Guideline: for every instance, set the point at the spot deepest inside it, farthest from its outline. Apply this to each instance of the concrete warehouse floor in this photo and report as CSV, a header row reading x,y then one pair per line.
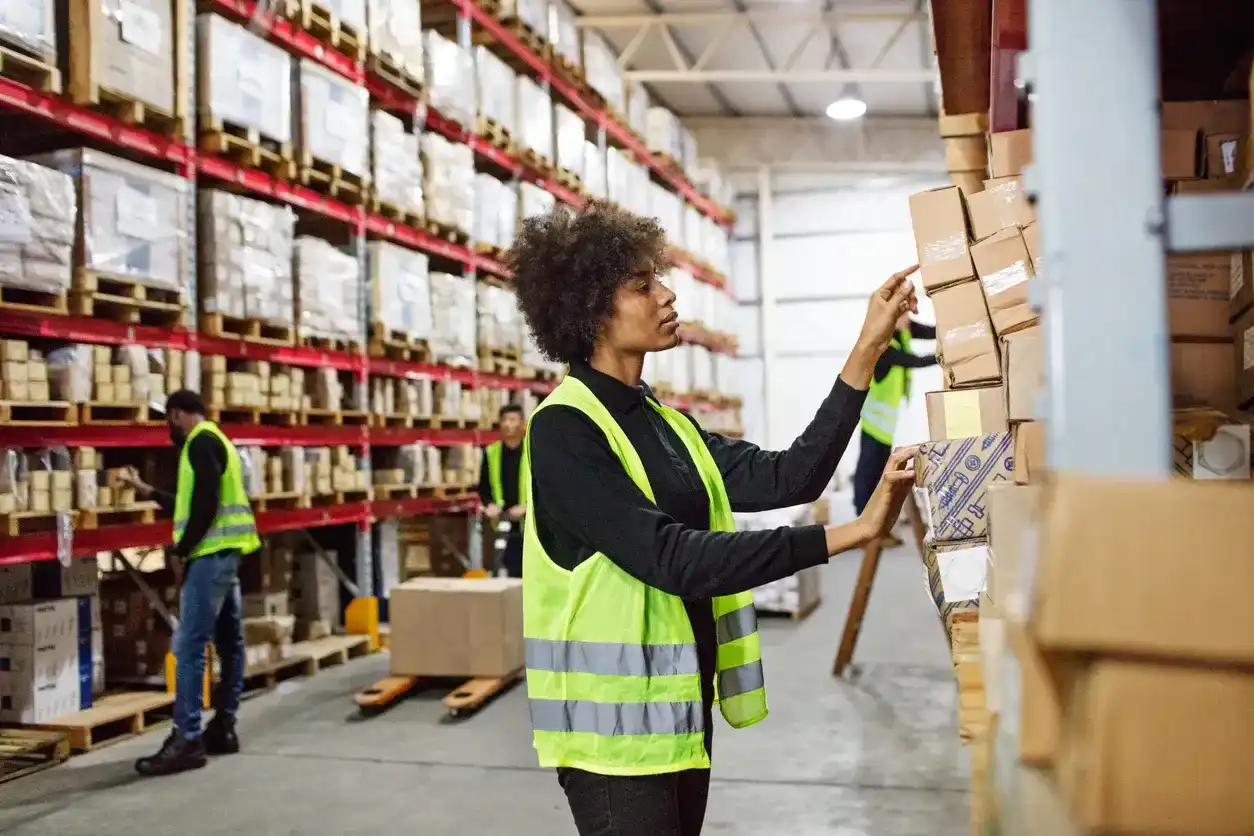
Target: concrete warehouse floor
x,y
878,756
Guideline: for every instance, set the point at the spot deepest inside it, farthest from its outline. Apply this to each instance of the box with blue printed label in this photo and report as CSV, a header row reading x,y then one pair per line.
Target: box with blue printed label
x,y
954,476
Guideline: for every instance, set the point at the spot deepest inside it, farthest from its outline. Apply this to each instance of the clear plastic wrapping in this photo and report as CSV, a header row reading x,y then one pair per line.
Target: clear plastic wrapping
x,y
569,135
617,177
328,284
667,207
453,332
334,114
496,89
665,134
594,174
638,107
693,231
245,252
350,12
396,164
70,372
244,79
500,322
563,33
535,118
30,24
134,49
399,280
396,34
638,185
533,200
534,13
450,78
600,66
449,181
38,208
492,199
133,219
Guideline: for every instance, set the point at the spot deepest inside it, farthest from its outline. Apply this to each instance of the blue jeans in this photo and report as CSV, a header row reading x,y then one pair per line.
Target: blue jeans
x,y
210,609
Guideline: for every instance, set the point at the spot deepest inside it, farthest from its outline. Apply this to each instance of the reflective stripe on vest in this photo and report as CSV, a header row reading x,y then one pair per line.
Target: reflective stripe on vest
x,y
610,719
611,658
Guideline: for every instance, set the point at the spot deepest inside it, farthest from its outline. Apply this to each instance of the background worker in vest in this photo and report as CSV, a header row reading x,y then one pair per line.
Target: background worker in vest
x,y
890,388
499,485
213,528
637,602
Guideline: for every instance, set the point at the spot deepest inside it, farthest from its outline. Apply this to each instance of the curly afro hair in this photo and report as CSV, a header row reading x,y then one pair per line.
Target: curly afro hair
x,y
567,266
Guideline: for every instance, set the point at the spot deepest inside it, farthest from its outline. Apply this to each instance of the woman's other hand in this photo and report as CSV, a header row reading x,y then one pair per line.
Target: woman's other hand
x,y
881,512
894,298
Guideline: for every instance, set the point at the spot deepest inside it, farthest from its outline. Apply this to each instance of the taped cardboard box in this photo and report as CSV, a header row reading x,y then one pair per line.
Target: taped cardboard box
x,y
1001,204
962,413
1204,374
456,627
1198,295
965,345
1023,372
1004,266
940,236
966,153
954,477
1029,466
1010,152
1180,159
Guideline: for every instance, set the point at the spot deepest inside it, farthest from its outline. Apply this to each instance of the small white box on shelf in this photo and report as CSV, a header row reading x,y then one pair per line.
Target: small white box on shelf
x,y
396,164
665,134
667,207
244,81
638,107
489,194
600,66
450,79
333,118
533,200
617,176
534,14
564,33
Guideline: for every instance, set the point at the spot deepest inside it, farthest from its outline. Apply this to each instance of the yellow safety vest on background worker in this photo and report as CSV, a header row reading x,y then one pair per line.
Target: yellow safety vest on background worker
x,y
234,526
612,675
495,483
882,406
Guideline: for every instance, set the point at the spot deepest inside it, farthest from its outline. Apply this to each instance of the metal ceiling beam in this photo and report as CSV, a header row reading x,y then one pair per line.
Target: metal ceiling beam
x,y
835,76
764,17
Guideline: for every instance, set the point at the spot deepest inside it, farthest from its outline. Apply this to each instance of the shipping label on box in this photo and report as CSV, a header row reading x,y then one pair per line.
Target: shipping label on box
x,y
955,476
962,413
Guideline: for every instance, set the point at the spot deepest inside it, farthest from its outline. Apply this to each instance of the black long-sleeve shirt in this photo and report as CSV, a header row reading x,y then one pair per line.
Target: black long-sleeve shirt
x,y
896,357
511,459
208,460
585,502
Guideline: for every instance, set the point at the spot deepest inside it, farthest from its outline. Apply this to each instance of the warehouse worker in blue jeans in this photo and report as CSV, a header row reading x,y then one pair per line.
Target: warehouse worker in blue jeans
x,y
213,528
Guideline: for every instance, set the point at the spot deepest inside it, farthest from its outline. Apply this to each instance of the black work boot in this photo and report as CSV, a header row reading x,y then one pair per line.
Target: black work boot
x,y
220,737
177,754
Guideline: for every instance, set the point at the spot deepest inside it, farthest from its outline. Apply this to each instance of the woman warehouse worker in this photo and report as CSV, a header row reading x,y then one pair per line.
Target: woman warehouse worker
x,y
638,615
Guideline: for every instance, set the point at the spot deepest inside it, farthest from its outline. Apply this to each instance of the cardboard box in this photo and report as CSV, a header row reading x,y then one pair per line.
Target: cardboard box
x,y
968,182
1224,155
965,345
940,236
1156,749
962,413
1002,204
954,477
45,659
1005,268
456,627
1224,455
1198,294
1180,154
1111,577
1023,372
1029,466
1209,117
966,153
1010,152
1241,284
1242,360
1203,374
1040,684
957,574
1013,512
963,124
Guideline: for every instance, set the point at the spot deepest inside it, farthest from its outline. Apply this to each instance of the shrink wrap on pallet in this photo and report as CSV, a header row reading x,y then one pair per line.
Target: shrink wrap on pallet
x,y
638,184
500,322
328,287
564,33
244,80
664,134
396,35
333,118
449,182
453,332
496,90
692,236
133,219
245,254
134,47
532,13
30,25
396,163
600,67
533,200
638,105
616,177
349,12
495,211
594,174
534,118
667,207
38,209
450,79
400,284
569,137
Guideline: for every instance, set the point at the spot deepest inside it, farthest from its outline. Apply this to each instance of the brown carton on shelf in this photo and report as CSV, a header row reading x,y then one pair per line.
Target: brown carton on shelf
x,y
1042,682
1023,372
1180,154
1211,117
1001,205
1029,453
963,124
136,50
1203,374
969,182
1243,357
1240,284
965,346
1159,749
1013,511
1009,152
962,413
1156,569
1198,288
940,235
954,476
1005,268
1031,239
966,153
456,627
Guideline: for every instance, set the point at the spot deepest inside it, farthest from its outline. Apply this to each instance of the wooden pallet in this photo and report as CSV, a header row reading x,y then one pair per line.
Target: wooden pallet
x,y
397,345
247,147
669,163
533,39
403,491
33,301
392,211
569,179
390,70
326,26
286,501
464,698
26,751
30,413
345,497
18,523
330,343
140,513
534,161
568,71
112,414
490,250
29,70
495,133
330,651
446,232
332,180
254,416
112,718
499,363
267,676
334,418
105,295
248,329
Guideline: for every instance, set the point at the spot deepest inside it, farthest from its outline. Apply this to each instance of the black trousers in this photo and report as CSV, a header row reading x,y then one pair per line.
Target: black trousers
x,y
512,555
637,805
872,459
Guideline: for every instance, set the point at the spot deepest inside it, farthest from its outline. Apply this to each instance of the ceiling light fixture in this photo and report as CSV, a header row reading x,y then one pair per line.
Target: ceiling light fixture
x,y
845,109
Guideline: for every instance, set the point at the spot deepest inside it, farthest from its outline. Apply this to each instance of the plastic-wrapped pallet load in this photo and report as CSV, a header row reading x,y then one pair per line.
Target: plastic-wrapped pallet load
x,y
396,164
667,207
488,335
617,177
564,33
637,107
448,182
510,321
401,290
244,80
453,332
533,200
38,208
328,287
245,252
600,67
134,50
534,14
350,13
506,215
664,135
490,195
133,220
681,368
30,25
594,179
570,136
535,118
450,79
694,230
638,184
496,90
396,36
334,114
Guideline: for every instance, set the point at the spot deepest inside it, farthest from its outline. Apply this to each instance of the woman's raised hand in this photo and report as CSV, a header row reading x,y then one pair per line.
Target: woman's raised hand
x,y
894,298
